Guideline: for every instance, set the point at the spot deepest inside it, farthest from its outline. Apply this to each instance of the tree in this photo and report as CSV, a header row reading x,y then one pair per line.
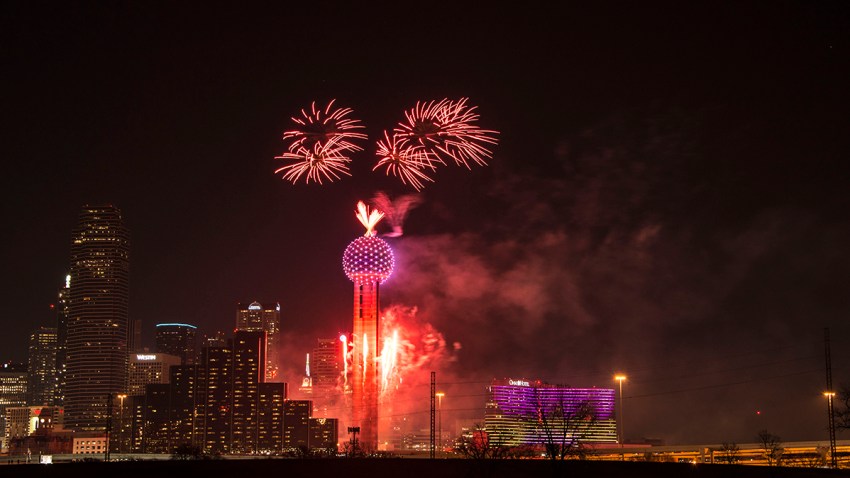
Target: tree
x,y
480,445
564,426
772,446
730,453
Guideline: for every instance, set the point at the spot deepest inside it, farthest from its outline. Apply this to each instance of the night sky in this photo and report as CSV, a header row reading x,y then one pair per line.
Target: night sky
x,y
668,198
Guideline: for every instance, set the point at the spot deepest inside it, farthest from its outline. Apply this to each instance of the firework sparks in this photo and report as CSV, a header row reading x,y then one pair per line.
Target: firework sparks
x,y
434,133
415,346
325,160
365,355
344,340
389,355
405,161
446,129
369,219
319,147
322,126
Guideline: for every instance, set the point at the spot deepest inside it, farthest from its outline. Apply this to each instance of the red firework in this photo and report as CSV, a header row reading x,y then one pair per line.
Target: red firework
x,y
446,129
320,145
322,126
406,161
324,160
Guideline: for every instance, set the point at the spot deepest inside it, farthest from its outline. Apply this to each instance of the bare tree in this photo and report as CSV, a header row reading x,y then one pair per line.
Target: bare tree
x,y
730,453
480,445
565,427
772,446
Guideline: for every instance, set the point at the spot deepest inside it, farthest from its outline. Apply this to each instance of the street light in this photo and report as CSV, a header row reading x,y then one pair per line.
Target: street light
x,y
829,397
620,378
440,396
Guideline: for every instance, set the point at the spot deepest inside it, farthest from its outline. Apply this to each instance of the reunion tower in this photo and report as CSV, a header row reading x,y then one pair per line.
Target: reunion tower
x,y
368,262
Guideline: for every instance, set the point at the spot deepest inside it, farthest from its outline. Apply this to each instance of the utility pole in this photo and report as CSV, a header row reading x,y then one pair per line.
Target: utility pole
x,y
433,410
830,394
353,431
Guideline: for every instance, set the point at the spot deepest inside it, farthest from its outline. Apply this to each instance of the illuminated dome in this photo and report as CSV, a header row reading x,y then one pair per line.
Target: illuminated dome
x,y
368,259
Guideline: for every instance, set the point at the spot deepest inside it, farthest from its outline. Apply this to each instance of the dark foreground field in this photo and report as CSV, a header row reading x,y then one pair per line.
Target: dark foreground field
x,y
402,468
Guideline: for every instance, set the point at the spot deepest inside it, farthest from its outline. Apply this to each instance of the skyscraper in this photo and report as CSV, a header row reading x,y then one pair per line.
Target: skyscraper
x,y
368,262
179,340
257,317
61,340
98,328
326,369
148,368
41,387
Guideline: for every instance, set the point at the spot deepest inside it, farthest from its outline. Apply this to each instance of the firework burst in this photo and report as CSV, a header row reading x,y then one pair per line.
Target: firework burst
x,y
324,160
446,129
407,162
434,133
320,145
323,126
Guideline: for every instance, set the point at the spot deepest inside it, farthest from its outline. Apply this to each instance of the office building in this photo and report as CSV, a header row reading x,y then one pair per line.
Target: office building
x,y
523,412
13,393
296,423
41,388
148,368
257,317
98,329
61,339
324,434
177,339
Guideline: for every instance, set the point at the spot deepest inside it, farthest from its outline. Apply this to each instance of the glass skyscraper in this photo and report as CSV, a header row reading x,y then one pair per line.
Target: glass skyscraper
x,y
98,327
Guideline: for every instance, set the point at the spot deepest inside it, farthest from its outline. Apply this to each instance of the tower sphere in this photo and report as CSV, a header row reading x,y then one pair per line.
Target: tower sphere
x,y
368,259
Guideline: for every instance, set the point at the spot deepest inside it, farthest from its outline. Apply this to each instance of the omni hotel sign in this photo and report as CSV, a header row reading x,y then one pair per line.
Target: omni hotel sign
x,y
519,383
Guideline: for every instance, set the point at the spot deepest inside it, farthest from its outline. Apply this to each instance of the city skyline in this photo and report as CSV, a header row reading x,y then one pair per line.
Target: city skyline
x,y
667,198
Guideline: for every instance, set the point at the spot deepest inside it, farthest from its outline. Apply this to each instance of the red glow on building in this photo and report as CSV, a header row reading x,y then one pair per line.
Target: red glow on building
x,y
368,262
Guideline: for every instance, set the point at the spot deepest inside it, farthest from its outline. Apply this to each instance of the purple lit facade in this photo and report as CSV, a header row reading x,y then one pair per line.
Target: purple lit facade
x,y
519,412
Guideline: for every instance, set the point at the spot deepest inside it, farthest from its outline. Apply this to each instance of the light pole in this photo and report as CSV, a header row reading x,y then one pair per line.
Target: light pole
x,y
620,378
440,396
833,459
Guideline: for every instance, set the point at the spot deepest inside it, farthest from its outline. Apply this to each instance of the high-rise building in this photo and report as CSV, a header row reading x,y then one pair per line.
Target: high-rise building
x,y
523,412
147,368
13,393
270,416
326,365
249,353
368,262
257,317
326,377
296,423
61,340
220,404
41,388
238,413
177,339
98,328
324,434
216,339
